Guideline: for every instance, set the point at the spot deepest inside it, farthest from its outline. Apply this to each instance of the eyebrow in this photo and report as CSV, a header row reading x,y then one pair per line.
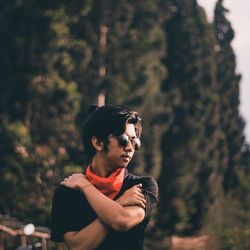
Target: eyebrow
x,y
132,137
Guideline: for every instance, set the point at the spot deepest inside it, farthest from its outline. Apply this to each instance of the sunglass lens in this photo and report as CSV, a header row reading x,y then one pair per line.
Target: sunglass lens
x,y
136,143
123,140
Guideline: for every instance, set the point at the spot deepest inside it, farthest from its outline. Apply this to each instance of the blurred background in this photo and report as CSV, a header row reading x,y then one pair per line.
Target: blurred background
x,y
168,60
239,17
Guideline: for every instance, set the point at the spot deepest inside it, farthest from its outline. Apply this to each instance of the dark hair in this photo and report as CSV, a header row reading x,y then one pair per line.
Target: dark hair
x,y
107,120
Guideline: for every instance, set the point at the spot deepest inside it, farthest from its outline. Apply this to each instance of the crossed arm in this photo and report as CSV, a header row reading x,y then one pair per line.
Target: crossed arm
x,y
120,215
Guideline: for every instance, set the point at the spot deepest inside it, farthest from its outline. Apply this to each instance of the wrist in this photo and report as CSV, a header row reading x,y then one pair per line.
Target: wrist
x,y
119,202
85,185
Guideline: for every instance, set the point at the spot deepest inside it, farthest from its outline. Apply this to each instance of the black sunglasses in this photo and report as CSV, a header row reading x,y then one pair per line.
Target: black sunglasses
x,y
124,139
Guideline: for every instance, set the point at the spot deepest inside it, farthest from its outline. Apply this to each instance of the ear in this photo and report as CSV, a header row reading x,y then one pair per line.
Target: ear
x,y
97,144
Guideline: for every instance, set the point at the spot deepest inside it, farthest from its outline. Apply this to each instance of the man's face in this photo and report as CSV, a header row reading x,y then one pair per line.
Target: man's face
x,y
119,156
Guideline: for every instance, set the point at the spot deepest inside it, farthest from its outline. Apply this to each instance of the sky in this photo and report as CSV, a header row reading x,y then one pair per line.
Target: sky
x,y
239,16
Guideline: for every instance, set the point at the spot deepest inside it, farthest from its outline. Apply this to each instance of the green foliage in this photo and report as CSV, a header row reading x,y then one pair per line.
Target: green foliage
x,y
37,118
227,222
186,143
230,120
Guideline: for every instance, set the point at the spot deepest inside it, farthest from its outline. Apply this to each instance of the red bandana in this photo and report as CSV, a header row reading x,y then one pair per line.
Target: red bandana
x,y
109,186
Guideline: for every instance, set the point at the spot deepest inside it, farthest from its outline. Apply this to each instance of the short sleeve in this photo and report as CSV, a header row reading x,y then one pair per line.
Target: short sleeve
x,y
150,191
64,215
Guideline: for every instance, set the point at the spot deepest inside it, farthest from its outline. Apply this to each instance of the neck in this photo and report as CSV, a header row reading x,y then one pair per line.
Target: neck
x,y
100,167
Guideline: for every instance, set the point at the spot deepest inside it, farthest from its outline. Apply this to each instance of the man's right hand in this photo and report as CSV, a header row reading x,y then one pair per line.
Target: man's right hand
x,y
76,181
132,197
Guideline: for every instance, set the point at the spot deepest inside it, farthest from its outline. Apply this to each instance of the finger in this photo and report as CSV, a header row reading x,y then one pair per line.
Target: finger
x,y
64,183
142,200
67,184
138,185
65,180
139,199
141,204
137,190
139,194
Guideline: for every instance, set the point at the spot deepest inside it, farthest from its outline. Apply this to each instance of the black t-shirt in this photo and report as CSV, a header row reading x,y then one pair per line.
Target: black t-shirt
x,y
72,212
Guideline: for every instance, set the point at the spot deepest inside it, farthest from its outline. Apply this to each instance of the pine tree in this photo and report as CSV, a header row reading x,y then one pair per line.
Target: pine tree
x,y
127,45
191,102
136,43
40,104
228,87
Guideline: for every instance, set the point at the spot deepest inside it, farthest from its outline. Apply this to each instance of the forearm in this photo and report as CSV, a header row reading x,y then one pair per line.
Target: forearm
x,y
110,212
87,238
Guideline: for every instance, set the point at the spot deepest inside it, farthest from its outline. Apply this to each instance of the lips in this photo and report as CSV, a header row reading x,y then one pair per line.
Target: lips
x,y
126,157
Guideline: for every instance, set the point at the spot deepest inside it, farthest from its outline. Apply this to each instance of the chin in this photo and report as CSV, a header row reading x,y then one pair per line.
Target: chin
x,y
123,165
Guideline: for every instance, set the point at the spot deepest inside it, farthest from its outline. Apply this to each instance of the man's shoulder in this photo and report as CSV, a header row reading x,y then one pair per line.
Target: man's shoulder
x,y
148,182
146,178
62,191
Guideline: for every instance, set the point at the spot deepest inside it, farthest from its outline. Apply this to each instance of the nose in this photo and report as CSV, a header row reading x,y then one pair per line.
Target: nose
x,y
129,146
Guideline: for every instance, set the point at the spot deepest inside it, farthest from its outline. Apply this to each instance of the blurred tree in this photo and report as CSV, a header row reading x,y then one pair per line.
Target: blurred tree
x,y
230,222
191,104
127,45
136,45
39,104
228,87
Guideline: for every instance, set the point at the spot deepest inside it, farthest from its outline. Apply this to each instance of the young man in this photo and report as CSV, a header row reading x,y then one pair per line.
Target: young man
x,y
106,208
